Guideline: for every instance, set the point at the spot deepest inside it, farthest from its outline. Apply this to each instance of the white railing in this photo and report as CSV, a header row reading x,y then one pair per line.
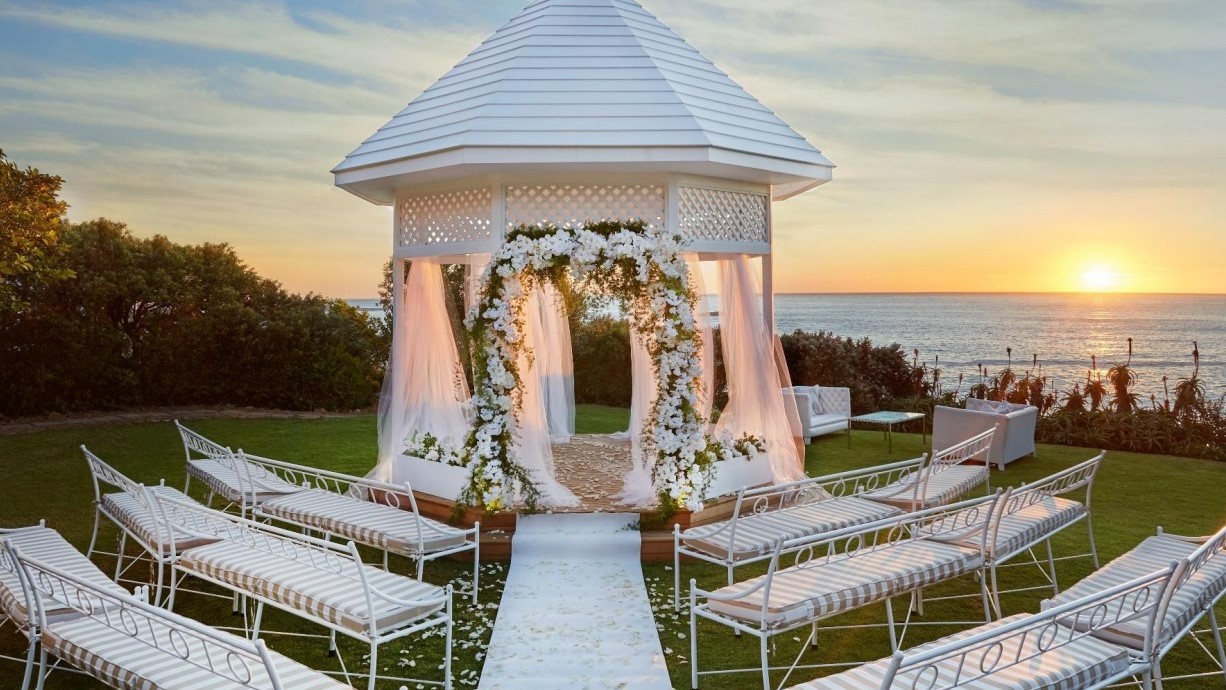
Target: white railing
x,y
236,660
964,662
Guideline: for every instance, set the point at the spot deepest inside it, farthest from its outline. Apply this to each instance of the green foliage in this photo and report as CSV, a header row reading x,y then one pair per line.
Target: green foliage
x,y
601,349
31,220
150,322
875,374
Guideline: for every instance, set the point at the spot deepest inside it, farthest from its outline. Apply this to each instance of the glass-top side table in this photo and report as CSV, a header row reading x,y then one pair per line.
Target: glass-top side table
x,y
888,420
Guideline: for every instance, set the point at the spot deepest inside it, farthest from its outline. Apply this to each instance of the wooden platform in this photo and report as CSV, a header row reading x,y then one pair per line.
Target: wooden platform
x,y
593,467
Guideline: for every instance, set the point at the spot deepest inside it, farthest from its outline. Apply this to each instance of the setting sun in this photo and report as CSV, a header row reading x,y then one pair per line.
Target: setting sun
x,y
1098,279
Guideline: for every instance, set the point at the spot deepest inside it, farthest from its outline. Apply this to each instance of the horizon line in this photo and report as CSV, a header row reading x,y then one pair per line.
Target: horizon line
x,y
887,293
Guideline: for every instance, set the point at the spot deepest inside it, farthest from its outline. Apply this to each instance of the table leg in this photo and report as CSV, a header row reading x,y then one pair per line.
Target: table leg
x,y
889,435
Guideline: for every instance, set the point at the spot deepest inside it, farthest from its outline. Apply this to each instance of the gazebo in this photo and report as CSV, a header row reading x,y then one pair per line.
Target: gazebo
x,y
572,113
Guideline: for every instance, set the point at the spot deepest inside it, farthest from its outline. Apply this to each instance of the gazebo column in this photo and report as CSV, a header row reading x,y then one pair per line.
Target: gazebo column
x,y
398,367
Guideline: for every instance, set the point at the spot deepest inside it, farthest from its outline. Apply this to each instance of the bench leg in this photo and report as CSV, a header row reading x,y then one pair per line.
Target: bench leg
x,y
732,581
25,681
1093,547
259,617
1051,565
123,543
1217,639
476,561
995,591
447,648
93,540
889,619
766,667
42,667
983,593
676,568
693,638
332,644
374,666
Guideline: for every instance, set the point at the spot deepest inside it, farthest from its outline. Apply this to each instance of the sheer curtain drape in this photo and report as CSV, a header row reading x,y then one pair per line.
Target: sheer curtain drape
x,y
756,404
424,389
555,363
545,406
638,488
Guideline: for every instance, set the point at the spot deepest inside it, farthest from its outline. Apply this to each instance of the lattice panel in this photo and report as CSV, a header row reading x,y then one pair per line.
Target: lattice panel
x,y
722,216
449,217
570,206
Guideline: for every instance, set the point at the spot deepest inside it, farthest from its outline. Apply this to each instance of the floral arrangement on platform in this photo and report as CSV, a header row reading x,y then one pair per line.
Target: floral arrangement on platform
x,y
430,447
645,267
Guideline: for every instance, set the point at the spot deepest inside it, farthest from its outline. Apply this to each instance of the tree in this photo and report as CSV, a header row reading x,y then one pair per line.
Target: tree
x,y
31,221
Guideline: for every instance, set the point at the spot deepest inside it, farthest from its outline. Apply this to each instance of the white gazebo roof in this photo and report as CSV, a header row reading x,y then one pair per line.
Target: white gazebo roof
x,y
583,86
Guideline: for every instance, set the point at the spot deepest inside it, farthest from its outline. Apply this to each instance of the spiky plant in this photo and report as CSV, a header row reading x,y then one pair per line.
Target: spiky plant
x,y
1122,379
1190,392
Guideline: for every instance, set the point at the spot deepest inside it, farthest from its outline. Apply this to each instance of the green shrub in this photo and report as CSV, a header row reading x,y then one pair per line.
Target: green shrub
x,y
875,374
148,322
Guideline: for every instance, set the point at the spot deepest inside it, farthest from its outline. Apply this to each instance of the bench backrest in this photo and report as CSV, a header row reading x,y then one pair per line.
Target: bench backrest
x,y
360,488
1064,482
201,446
965,661
228,657
754,501
977,447
967,520
1174,625
103,474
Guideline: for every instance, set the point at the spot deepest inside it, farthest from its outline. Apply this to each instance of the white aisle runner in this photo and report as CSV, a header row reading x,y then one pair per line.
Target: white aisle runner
x,y
574,613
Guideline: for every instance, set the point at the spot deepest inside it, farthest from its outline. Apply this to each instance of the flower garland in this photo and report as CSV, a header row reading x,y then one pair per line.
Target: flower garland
x,y
645,266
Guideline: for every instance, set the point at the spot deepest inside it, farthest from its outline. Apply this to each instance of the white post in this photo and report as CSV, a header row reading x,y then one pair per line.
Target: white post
x,y
398,367
768,269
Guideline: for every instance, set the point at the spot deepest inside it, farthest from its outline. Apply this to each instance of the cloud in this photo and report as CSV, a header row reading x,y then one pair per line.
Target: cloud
x,y
387,51
957,125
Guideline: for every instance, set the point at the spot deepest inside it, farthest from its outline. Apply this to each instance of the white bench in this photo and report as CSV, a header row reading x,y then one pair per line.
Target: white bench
x,y
1197,591
124,642
947,477
846,570
320,581
377,514
127,508
27,615
224,473
764,515
1034,513
1061,647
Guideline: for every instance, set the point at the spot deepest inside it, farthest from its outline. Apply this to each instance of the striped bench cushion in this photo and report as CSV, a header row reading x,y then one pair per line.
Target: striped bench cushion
x,y
1155,553
944,487
320,592
362,521
826,587
121,661
756,534
1078,664
225,481
128,511
1030,525
46,545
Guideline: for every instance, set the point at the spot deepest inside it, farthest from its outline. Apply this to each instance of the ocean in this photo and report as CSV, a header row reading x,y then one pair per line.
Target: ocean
x,y
1064,330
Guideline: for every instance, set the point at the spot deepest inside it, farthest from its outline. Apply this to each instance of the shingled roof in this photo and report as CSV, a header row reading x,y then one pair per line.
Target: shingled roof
x,y
583,86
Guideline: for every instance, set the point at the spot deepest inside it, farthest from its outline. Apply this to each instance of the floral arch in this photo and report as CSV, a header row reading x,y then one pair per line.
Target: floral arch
x,y
633,261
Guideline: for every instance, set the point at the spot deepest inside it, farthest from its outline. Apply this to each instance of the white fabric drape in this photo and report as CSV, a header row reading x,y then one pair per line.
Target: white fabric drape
x,y
424,389
533,432
756,404
549,328
638,488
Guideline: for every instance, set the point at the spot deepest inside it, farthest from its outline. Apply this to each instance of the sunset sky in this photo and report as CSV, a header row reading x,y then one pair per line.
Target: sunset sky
x,y
982,145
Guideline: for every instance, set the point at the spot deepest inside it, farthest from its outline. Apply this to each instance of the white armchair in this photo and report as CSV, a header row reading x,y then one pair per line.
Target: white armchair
x,y
1014,438
822,409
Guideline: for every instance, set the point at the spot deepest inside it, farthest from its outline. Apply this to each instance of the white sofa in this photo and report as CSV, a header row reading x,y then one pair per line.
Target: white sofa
x,y
1014,438
822,409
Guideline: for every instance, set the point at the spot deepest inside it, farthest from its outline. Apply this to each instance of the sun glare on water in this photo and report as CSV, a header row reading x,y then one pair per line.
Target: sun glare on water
x,y
1099,279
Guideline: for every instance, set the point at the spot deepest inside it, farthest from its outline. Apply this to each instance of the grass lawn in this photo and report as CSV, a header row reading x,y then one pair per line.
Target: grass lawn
x,y
44,476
